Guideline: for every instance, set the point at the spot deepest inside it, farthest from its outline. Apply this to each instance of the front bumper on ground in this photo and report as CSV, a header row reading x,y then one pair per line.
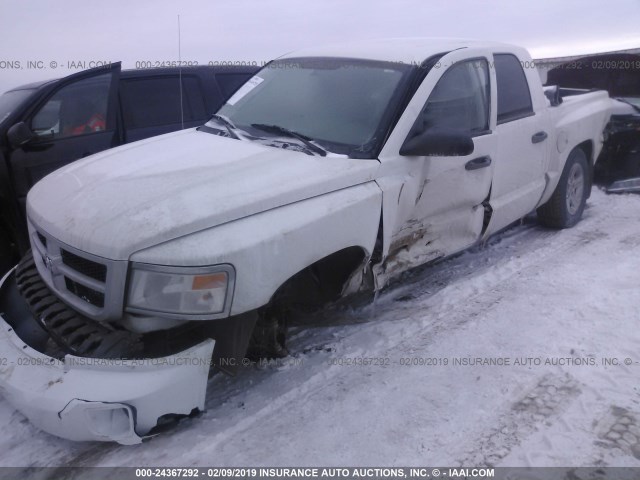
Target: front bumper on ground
x,y
98,399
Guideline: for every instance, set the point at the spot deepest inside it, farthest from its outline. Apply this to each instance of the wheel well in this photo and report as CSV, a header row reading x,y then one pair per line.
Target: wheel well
x,y
320,282
587,148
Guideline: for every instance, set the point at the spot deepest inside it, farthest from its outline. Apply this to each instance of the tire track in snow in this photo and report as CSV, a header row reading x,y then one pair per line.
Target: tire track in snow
x,y
548,398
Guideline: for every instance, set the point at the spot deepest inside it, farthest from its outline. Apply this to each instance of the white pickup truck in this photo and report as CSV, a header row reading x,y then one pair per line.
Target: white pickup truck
x,y
330,172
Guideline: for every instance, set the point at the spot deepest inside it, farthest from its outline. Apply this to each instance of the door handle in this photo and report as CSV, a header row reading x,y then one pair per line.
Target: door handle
x,y
476,163
539,137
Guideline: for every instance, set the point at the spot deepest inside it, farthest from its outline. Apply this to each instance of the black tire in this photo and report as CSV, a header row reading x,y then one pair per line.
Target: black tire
x,y
269,338
565,207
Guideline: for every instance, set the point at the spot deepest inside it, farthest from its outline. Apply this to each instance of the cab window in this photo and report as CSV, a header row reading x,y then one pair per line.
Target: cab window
x,y
514,97
460,100
76,109
155,101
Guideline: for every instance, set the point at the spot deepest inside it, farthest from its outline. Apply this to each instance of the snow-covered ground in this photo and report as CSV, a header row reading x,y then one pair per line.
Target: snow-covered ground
x,y
567,300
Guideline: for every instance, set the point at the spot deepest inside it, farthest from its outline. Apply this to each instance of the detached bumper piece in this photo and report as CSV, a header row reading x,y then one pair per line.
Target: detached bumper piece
x,y
84,397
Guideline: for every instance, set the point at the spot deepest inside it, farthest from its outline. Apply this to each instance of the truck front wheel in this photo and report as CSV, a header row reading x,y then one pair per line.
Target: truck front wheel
x,y
270,334
564,208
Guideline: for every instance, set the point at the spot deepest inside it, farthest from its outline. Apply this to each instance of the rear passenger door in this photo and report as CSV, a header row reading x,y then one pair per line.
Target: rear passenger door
x,y
518,177
153,105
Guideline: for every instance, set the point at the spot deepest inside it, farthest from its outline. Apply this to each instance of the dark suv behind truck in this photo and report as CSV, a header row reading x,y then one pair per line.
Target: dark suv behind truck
x,y
46,125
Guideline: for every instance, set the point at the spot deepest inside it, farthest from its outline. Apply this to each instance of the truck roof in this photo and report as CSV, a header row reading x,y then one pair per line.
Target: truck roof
x,y
407,50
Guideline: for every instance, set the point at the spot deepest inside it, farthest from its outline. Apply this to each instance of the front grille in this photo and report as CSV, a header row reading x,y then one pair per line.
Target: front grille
x,y
87,294
71,331
91,284
89,268
76,334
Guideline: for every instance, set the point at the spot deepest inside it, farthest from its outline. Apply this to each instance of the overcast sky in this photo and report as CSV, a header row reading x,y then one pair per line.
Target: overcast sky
x,y
256,30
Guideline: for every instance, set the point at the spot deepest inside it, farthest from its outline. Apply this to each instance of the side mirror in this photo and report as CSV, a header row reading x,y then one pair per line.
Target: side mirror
x,y
19,134
438,143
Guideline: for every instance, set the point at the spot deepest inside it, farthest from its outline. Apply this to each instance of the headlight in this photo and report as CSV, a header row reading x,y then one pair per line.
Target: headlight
x,y
199,292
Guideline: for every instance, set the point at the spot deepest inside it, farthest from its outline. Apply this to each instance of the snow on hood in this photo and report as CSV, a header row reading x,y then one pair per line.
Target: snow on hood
x,y
139,195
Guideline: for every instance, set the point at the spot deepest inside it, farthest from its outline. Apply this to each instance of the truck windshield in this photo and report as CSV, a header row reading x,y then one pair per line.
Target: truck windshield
x,y
343,105
9,101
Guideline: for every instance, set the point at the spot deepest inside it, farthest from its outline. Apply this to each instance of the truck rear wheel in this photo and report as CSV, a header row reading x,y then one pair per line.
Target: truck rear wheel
x,y
564,208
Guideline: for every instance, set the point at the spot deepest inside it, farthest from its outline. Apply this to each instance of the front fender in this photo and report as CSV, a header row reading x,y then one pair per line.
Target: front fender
x,y
268,248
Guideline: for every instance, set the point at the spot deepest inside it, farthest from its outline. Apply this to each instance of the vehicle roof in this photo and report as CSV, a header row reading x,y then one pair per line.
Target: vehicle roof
x,y
407,50
150,72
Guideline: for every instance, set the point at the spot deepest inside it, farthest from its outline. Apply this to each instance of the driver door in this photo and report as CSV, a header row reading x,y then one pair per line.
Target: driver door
x,y
78,118
437,207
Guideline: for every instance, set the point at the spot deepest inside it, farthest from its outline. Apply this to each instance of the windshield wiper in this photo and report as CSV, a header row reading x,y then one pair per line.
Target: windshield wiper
x,y
290,133
228,124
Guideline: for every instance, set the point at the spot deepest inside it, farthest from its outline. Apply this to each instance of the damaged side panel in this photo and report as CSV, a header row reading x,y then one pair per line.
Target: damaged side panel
x,y
418,244
422,220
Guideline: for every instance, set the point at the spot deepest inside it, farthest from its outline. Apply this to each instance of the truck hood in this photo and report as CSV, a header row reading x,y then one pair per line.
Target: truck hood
x,y
139,195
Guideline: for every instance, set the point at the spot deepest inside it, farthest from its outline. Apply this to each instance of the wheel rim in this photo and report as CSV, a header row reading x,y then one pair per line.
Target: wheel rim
x,y
575,188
